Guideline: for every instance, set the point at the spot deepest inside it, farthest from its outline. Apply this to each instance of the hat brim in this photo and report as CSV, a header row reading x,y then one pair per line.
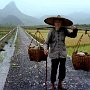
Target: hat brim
x,y
65,22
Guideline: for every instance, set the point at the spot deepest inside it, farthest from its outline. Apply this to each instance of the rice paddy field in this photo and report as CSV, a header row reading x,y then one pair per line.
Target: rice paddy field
x,y
70,42
4,31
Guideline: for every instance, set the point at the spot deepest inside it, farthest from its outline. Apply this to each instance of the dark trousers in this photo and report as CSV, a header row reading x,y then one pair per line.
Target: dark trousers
x,y
62,69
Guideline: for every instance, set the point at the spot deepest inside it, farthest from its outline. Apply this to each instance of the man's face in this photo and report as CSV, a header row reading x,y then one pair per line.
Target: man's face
x,y
57,23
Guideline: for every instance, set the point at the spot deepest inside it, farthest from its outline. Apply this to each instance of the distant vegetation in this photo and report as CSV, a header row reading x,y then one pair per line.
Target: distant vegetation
x,y
84,26
4,30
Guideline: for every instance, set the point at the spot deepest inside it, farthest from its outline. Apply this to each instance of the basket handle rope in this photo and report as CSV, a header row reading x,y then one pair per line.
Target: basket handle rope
x,y
79,41
40,34
32,40
36,37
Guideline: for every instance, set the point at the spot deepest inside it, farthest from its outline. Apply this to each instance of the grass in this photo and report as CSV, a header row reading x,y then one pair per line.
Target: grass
x,y
73,41
70,42
3,32
83,48
39,37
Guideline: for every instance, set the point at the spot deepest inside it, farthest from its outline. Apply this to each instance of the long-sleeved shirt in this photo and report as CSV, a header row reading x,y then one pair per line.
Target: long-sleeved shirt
x,y
56,41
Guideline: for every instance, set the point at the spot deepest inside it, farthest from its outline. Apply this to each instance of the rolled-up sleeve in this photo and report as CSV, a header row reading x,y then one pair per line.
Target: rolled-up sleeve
x,y
47,41
71,34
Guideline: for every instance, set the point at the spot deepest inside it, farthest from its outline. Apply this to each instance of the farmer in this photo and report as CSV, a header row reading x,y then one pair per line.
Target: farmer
x,y
56,41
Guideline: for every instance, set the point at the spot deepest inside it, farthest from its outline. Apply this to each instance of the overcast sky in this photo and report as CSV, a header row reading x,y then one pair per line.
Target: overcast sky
x,y
39,8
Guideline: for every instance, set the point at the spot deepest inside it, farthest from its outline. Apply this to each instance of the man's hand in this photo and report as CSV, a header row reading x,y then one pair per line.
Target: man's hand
x,y
73,27
46,52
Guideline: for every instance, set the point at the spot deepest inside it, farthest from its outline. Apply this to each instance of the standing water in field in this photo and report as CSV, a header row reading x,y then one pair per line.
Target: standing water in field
x,y
5,57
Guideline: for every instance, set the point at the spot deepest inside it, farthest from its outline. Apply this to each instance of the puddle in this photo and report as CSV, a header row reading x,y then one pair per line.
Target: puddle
x,y
5,57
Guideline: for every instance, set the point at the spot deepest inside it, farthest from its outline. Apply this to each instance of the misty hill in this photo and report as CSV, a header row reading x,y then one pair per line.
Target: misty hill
x,y
13,16
11,9
80,17
11,20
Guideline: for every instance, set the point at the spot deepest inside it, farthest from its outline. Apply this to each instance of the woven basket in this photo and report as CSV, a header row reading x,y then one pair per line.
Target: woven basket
x,y
81,62
36,54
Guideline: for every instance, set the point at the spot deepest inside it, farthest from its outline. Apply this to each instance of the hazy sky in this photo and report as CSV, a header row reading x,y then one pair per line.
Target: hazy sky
x,y
39,8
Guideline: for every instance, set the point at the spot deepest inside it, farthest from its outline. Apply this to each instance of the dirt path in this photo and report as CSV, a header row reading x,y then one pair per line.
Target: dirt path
x,y
27,75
